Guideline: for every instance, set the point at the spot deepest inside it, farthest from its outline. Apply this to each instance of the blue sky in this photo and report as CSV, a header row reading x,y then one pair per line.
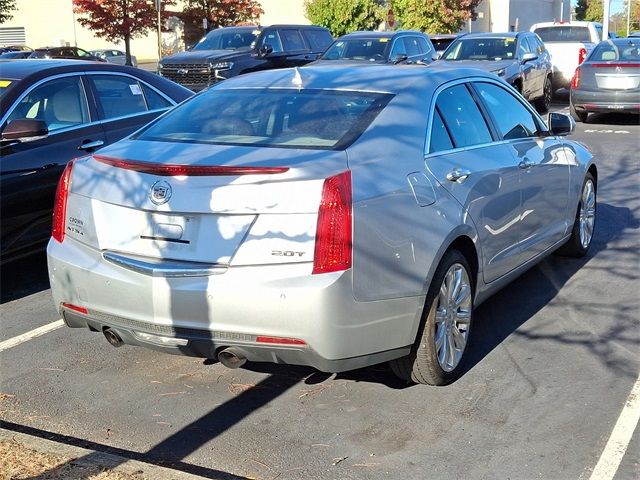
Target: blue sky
x,y
616,5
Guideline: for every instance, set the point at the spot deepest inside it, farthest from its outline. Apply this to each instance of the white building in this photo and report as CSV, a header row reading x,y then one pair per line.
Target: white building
x,y
517,15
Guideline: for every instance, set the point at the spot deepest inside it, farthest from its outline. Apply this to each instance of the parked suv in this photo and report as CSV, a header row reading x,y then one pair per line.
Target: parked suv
x,y
230,51
520,58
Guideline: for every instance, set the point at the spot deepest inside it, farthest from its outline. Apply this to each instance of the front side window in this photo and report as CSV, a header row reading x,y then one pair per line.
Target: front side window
x,y
462,117
399,48
413,48
512,118
118,96
60,103
273,39
317,119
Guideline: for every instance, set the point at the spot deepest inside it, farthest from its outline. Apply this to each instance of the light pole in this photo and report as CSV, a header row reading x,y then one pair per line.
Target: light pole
x,y
605,21
628,16
158,8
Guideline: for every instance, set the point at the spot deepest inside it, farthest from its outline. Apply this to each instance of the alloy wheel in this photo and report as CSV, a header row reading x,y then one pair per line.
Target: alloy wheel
x,y
587,213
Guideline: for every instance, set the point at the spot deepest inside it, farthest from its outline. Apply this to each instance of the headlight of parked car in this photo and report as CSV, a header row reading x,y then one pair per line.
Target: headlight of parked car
x,y
221,66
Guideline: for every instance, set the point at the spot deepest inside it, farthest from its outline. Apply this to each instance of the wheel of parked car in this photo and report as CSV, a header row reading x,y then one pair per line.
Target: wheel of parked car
x,y
438,354
585,222
578,116
544,102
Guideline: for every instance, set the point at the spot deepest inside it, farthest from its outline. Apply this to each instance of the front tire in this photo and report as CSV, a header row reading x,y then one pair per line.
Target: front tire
x,y
585,221
437,357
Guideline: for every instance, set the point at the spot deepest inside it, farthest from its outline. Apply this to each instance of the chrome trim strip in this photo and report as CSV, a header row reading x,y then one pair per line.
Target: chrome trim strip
x,y
165,268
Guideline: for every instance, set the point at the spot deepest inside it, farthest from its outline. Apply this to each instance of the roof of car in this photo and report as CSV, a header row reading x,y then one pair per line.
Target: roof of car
x,y
19,69
622,41
371,78
492,35
368,34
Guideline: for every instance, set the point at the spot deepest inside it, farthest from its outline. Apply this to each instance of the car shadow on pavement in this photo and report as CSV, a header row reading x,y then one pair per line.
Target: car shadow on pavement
x,y
23,277
505,312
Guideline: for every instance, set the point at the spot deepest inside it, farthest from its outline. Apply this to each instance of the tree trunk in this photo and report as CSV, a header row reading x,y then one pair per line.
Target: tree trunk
x,y
127,49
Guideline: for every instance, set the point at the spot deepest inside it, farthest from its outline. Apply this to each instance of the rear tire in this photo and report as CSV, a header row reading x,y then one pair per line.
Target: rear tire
x,y
578,115
438,355
544,102
585,221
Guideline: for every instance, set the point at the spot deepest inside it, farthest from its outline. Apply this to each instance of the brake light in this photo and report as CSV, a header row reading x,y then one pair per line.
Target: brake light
x,y
575,81
174,170
60,204
582,54
280,340
333,250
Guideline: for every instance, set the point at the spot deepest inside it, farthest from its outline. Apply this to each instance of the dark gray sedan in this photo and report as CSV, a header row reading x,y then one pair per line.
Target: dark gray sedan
x,y
608,80
520,58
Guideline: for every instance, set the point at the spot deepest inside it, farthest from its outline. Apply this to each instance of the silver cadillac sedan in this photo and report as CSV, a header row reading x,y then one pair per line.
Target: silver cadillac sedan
x,y
330,216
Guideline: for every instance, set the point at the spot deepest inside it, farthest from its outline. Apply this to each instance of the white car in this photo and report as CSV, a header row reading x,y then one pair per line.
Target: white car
x,y
115,56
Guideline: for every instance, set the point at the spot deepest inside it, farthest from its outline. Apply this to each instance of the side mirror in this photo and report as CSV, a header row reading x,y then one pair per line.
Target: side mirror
x,y
25,130
527,57
266,50
560,124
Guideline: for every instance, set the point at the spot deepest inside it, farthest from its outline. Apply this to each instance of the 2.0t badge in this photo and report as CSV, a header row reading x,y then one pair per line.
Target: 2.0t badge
x,y
160,192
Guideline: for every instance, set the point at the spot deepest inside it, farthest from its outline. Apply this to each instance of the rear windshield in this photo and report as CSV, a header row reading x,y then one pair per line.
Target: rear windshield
x,y
609,51
564,34
371,49
482,49
315,119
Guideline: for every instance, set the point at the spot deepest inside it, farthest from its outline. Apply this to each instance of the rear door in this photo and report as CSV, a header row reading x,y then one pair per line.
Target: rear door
x,y
480,173
298,53
544,168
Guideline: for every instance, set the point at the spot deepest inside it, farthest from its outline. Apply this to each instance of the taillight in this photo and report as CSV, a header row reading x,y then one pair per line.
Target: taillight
x,y
60,204
582,55
575,81
333,235
280,340
75,308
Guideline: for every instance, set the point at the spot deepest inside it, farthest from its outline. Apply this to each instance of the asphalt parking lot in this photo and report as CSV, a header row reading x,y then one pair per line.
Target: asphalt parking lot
x,y
554,361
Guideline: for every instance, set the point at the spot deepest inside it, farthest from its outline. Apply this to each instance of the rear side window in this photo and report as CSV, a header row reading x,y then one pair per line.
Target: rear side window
x,y
462,117
318,39
315,119
118,96
564,33
424,45
155,101
292,40
440,139
512,118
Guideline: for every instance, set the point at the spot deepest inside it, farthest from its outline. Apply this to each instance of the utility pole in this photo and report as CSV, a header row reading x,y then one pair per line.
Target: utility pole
x,y
605,21
158,8
628,16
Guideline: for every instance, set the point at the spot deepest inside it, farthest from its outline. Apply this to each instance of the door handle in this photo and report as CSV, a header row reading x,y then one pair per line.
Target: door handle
x,y
90,144
526,163
458,175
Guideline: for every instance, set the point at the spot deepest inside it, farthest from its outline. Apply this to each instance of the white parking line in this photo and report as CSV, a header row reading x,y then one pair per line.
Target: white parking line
x,y
25,337
616,447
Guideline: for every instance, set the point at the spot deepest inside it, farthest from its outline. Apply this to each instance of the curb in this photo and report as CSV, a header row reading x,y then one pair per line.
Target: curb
x,y
86,457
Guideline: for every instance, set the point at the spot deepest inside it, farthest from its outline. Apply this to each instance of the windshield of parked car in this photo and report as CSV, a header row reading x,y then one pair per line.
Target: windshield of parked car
x,y
564,34
482,49
370,49
315,119
227,39
627,50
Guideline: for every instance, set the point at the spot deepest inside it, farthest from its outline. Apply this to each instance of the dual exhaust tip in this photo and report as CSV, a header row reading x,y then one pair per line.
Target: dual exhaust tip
x,y
230,357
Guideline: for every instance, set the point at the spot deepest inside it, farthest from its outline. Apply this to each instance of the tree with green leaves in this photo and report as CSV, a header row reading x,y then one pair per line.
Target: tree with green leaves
x,y
345,16
116,20
6,7
589,10
434,16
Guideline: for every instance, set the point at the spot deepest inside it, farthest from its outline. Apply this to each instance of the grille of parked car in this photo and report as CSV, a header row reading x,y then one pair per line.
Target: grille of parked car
x,y
188,73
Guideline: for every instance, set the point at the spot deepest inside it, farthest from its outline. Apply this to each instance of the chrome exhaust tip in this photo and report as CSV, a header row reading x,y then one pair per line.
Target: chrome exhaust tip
x,y
113,338
232,358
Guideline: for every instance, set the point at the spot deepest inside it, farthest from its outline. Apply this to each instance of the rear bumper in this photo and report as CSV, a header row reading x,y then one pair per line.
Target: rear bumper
x,y
199,316
605,100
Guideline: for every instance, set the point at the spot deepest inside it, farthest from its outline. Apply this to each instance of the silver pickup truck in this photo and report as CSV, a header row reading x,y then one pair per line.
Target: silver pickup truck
x,y
569,43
